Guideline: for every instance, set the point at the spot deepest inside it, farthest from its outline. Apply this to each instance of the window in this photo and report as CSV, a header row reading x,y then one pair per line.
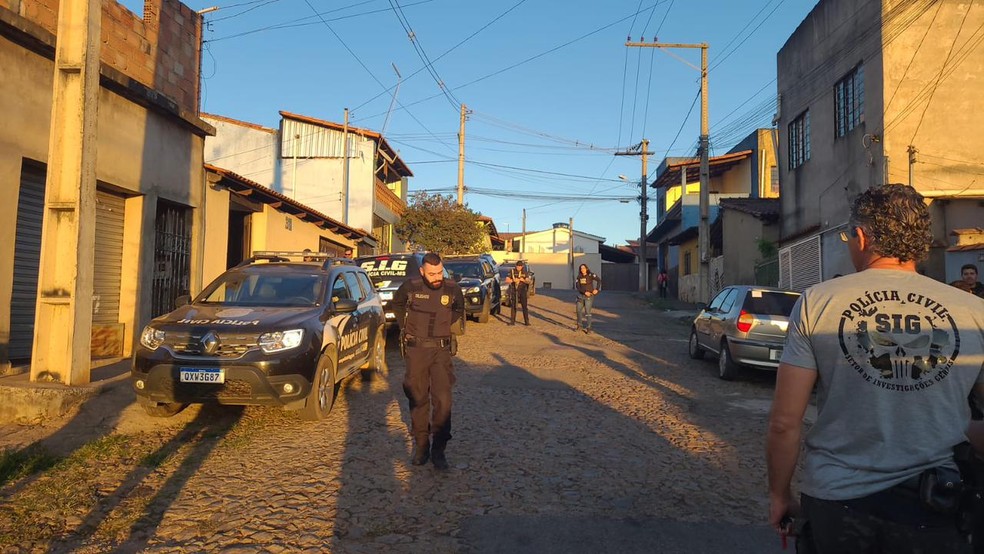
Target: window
x,y
366,285
686,263
774,181
849,101
719,299
339,291
353,286
729,301
799,140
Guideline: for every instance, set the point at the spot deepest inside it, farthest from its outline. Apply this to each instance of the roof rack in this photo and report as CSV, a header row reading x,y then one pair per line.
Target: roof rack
x,y
272,256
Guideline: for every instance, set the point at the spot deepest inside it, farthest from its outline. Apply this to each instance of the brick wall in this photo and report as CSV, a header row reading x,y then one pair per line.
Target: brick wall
x,y
161,49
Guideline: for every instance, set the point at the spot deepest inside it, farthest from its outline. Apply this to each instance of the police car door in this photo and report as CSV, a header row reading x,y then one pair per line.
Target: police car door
x,y
346,325
363,319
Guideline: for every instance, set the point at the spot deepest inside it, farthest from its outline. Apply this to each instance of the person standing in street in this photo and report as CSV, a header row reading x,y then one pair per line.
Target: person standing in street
x,y
968,273
587,285
663,280
520,280
429,310
894,356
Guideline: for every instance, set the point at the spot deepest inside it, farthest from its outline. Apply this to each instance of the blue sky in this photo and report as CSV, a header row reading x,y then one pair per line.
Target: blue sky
x,y
558,118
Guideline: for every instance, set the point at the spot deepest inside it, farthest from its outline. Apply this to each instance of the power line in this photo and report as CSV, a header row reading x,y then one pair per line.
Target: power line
x,y
422,54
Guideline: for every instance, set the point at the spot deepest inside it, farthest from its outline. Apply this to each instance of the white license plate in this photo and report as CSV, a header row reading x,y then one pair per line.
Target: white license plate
x,y
189,375
775,355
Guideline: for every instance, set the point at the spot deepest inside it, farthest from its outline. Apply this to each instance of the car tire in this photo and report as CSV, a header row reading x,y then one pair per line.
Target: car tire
x,y
159,409
694,348
377,359
323,387
483,316
727,368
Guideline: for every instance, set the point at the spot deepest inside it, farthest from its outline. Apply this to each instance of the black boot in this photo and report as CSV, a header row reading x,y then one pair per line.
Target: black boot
x,y
438,458
421,452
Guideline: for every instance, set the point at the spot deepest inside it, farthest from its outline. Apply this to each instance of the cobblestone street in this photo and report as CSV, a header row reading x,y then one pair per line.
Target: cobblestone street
x,y
563,442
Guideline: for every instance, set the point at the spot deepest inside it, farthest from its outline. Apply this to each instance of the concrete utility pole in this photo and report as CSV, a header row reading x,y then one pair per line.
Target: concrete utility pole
x,y
63,324
570,248
345,170
643,211
912,161
522,239
704,238
461,157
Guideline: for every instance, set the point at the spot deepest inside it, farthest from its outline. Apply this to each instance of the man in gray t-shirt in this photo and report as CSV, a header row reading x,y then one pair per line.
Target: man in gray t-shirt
x,y
894,356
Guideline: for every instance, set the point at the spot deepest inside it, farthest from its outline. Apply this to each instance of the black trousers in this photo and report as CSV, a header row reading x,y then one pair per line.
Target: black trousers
x,y
427,384
884,522
519,297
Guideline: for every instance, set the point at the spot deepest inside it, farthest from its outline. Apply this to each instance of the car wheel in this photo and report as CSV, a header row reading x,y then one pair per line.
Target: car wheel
x,y
377,360
322,395
483,316
727,368
159,409
694,349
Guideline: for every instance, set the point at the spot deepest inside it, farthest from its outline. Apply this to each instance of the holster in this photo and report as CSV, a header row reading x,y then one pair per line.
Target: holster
x,y
941,490
403,344
454,345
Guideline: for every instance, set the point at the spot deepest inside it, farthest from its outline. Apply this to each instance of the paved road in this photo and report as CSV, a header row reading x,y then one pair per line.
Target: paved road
x,y
563,442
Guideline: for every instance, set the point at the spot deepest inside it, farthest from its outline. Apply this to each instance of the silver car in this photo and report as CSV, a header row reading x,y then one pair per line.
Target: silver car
x,y
745,326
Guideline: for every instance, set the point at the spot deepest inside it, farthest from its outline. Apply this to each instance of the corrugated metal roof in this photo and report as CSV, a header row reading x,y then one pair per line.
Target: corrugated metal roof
x,y
719,164
323,143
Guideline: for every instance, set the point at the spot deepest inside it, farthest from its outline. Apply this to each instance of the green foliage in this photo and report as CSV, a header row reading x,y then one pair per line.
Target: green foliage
x,y
15,464
438,224
767,249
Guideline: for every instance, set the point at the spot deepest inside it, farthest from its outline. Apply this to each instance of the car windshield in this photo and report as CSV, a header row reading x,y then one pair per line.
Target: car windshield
x,y
258,289
765,302
387,269
464,269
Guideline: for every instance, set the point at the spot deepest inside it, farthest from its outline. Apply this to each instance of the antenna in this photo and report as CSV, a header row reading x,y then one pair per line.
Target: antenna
x,y
399,79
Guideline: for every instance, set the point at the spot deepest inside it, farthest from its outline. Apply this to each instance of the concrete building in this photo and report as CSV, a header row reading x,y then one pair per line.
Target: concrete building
x,y
556,240
305,161
149,139
747,171
747,233
246,217
861,84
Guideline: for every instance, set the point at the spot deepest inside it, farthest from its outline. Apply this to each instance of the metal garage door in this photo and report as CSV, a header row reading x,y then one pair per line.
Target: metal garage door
x,y
27,257
108,258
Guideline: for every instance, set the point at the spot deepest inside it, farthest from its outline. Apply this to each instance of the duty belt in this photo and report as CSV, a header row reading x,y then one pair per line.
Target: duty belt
x,y
427,343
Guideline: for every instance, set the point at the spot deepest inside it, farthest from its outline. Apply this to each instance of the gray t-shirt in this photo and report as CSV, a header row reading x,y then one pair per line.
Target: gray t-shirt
x,y
897,355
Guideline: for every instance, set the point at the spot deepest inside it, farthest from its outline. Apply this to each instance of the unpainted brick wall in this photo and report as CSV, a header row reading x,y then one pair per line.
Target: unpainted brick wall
x,y
161,49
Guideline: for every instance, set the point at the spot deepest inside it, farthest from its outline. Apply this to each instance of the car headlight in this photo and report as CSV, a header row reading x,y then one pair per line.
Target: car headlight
x,y
472,290
281,340
152,338
386,295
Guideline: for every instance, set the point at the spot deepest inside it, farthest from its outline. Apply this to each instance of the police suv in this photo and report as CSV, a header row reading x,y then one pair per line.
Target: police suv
x,y
270,331
388,272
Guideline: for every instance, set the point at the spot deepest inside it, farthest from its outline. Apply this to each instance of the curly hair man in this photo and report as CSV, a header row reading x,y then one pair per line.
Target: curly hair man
x,y
894,356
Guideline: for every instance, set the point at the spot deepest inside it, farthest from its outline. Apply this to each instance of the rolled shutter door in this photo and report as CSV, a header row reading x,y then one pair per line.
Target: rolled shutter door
x,y
108,258
27,259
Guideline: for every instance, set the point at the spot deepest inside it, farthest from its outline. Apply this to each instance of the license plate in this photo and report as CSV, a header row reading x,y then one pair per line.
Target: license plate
x,y
191,375
775,355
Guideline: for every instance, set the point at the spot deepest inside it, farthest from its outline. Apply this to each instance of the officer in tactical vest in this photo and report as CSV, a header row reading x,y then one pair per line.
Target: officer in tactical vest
x,y
430,310
520,280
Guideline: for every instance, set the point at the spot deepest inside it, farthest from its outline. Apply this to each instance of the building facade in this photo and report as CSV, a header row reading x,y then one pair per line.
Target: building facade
x,y
150,182
872,92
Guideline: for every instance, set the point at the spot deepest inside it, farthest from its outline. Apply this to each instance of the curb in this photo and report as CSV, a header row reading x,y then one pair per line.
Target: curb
x,y
26,402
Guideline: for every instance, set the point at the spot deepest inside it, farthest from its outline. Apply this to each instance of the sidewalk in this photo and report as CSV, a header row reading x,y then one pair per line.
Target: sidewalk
x,y
26,402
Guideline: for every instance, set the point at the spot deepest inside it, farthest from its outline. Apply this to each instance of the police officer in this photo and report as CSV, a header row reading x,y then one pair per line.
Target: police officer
x,y
520,280
429,310
587,285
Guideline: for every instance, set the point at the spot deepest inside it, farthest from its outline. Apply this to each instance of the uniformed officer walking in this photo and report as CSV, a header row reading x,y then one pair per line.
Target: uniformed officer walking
x,y
520,280
429,310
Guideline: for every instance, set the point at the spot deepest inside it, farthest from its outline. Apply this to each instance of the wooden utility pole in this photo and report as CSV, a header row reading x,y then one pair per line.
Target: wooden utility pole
x,y
461,157
345,170
643,150
522,239
63,324
570,248
704,234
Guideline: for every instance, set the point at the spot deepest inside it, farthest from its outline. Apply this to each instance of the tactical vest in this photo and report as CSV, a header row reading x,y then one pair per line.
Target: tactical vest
x,y
516,275
428,310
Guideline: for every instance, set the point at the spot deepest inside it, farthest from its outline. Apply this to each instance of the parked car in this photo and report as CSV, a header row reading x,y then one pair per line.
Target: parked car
x,y
479,282
388,271
504,269
269,331
745,326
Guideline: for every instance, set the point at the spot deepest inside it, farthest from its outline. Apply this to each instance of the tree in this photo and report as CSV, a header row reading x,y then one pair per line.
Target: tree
x,y
438,224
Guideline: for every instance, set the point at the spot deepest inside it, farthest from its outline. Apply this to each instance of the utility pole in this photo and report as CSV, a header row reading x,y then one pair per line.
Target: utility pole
x,y
912,161
461,157
570,247
345,170
63,320
522,239
704,238
643,210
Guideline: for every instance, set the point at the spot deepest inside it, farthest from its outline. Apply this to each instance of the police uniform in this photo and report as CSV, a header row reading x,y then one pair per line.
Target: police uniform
x,y
583,284
427,317
519,292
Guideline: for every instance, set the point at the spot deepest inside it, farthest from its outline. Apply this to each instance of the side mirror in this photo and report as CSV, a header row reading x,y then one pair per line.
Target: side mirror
x,y
457,277
701,306
346,306
182,300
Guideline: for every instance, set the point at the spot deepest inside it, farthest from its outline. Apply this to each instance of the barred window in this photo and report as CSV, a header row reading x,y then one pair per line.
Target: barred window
x,y
687,262
849,101
799,140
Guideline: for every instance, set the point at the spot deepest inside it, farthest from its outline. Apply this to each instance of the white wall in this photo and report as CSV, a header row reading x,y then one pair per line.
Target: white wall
x,y
557,241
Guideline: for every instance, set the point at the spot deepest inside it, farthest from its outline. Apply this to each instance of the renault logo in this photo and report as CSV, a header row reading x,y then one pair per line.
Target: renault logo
x,y
210,342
